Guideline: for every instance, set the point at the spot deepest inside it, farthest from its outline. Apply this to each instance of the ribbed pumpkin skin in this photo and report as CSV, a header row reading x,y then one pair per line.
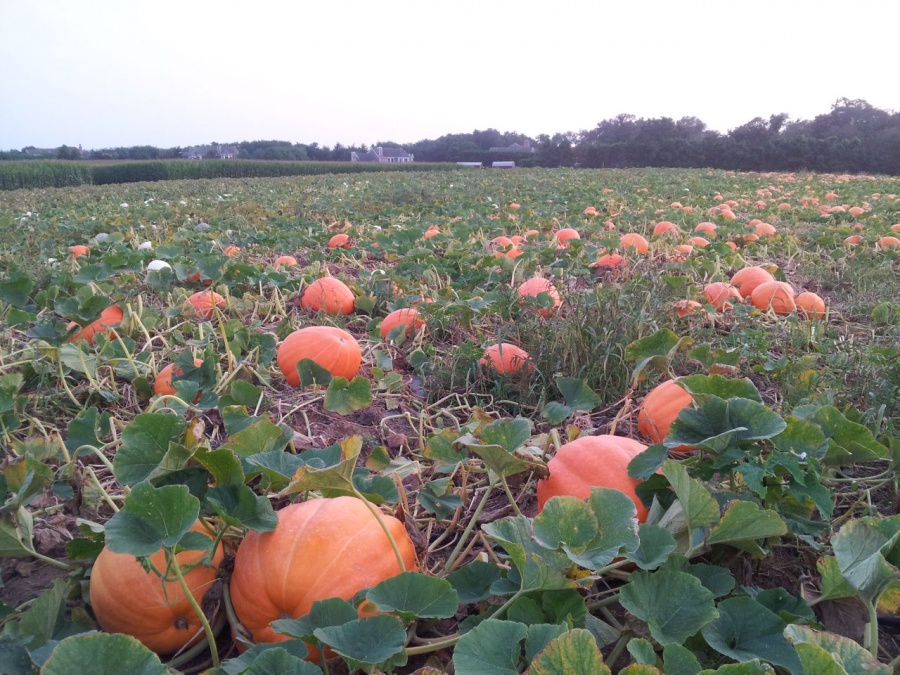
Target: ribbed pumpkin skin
x,y
163,383
321,548
810,305
720,295
635,241
563,236
777,295
748,278
537,285
505,358
201,304
109,317
333,349
592,461
339,241
126,599
284,260
328,295
660,408
407,316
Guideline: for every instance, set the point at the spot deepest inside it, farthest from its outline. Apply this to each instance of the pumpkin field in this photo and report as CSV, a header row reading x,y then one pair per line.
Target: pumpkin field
x,y
477,422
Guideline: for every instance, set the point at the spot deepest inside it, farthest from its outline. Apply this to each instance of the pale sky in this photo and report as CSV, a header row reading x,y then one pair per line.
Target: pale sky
x,y
108,73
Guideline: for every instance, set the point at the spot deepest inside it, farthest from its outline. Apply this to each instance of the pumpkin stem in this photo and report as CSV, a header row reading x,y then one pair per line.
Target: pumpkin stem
x,y
210,636
377,513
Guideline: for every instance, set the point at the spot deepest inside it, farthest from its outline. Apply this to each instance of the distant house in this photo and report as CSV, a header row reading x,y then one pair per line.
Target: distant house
x,y
39,152
210,151
503,165
473,165
383,155
523,147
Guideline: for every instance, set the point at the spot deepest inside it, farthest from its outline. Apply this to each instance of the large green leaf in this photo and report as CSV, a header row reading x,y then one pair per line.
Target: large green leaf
x,y
240,506
656,351
151,519
703,386
240,664
413,595
145,443
717,424
538,567
675,605
573,652
346,397
745,630
102,654
862,548
364,643
743,521
493,647
700,509
578,395
848,442
849,654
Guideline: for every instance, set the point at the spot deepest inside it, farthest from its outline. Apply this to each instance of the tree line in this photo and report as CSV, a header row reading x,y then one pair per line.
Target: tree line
x,y
853,136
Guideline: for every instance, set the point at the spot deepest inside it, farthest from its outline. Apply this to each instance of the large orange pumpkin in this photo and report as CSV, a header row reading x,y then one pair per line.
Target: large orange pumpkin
x,y
339,241
321,548
328,295
407,316
635,241
202,304
719,295
537,285
127,599
592,461
747,279
660,408
333,349
810,305
286,260
79,250
163,384
109,317
506,358
564,235
777,295
664,227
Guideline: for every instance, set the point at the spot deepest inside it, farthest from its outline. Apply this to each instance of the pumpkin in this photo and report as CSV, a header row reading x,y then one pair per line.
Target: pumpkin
x,y
687,307
635,241
719,295
563,236
856,211
232,250
79,250
506,358
888,242
810,305
202,304
660,408
163,383
286,260
775,295
127,599
534,287
853,239
339,241
333,349
895,227
407,316
747,279
328,295
664,227
765,229
702,242
609,261
592,461
432,231
320,548
109,317
708,228
158,265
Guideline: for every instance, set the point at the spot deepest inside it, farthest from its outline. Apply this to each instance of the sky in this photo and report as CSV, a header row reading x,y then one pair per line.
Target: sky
x,y
110,73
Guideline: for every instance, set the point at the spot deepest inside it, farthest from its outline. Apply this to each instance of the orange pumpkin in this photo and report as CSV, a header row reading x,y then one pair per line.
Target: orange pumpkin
x,y
747,279
432,231
564,235
609,261
163,383
109,317
702,242
321,548
79,250
232,250
635,241
407,316
810,305
506,358
719,295
592,461
333,349
777,295
660,408
328,295
339,241
853,239
286,260
664,227
127,599
202,304
765,230
537,285
708,228
888,242
687,308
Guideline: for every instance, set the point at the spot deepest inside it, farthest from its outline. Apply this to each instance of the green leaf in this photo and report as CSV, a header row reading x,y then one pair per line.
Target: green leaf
x,y
675,605
657,351
278,661
261,435
555,413
102,653
539,635
413,595
15,537
703,386
509,434
438,496
572,652
816,660
336,477
642,650
239,664
861,548
152,518
566,521
222,464
367,642
745,630
799,437
700,509
441,448
656,543
493,647
16,289
833,586
539,568
679,660
44,620
345,397
648,462
578,395
744,521
322,614
473,581
242,393
848,442
848,653
748,668
312,373
497,458
145,442
240,506
717,424
83,429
